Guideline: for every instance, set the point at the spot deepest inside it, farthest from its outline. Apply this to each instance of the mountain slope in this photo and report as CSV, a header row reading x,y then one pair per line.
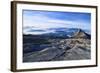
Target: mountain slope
x,y
51,47
81,34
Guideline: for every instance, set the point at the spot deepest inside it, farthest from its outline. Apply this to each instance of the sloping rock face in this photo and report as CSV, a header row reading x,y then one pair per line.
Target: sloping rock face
x,y
81,34
66,49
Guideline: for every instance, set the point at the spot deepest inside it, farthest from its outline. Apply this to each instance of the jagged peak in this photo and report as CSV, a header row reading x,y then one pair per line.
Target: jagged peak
x,y
81,34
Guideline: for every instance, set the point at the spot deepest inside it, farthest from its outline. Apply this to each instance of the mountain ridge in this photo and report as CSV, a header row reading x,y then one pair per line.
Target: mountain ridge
x,y
71,33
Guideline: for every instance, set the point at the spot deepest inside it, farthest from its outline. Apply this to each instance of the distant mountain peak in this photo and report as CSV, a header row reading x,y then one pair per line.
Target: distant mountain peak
x,y
81,34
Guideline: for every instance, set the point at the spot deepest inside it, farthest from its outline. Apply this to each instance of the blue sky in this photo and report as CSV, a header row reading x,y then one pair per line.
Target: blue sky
x,y
44,20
